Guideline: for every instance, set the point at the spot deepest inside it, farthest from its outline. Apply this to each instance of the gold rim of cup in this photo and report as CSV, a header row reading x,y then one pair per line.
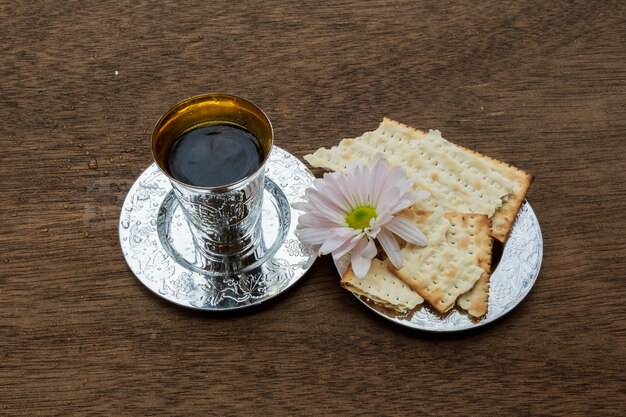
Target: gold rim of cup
x,y
210,109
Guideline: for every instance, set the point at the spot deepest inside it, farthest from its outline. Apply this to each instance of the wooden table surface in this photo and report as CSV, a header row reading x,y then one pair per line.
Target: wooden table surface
x,y
539,84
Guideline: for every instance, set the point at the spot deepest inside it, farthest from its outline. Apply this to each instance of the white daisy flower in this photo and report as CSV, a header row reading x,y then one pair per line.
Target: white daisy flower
x,y
345,212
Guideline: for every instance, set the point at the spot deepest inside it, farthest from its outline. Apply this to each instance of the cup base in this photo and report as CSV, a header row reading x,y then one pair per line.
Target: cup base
x,y
210,262
184,242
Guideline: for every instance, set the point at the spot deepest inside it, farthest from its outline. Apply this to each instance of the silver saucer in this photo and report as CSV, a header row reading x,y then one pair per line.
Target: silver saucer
x,y
511,281
157,242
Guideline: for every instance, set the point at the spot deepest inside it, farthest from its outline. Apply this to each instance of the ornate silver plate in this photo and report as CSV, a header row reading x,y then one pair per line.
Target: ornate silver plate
x,y
510,282
157,242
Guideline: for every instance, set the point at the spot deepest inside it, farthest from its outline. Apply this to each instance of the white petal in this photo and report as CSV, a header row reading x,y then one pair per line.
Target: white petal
x,y
316,220
302,206
397,177
407,230
389,197
360,266
367,182
347,246
370,250
331,194
372,231
342,263
379,160
323,204
403,202
421,195
313,236
390,245
335,194
354,185
383,218
362,255
339,182
354,167
346,188
334,242
360,182
379,180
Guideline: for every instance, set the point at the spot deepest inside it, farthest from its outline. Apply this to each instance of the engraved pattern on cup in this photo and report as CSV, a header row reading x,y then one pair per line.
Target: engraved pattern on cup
x,y
228,221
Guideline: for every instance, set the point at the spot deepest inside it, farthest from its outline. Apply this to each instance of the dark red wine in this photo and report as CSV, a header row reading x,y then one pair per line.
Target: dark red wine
x,y
215,155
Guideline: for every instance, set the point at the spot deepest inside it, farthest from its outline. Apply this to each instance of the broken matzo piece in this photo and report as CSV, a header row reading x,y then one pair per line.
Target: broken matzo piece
x,y
383,287
502,220
470,233
440,272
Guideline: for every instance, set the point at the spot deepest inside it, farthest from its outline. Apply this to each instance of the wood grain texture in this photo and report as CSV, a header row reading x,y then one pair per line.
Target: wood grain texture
x,y
538,84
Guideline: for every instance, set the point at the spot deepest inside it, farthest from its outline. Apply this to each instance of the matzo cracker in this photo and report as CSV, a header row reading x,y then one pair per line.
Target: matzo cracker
x,y
383,287
458,179
439,272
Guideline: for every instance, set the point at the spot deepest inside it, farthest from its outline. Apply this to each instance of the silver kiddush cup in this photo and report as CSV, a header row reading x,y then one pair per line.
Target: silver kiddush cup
x,y
225,220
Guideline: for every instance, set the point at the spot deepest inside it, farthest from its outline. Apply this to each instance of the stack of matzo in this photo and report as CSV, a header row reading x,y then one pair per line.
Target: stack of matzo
x,y
473,198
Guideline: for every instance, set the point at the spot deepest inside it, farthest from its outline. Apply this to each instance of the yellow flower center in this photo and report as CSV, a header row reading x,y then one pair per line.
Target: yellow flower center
x,y
359,218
